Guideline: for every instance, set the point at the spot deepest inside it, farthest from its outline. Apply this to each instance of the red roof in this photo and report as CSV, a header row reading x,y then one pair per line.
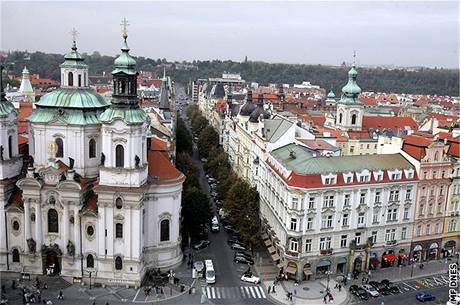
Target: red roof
x,y
161,168
155,83
454,150
415,146
91,202
16,199
384,122
417,140
318,120
318,144
368,101
158,144
359,134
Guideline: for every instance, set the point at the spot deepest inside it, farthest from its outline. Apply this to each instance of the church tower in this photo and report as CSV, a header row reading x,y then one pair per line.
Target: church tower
x,y
124,127
26,87
350,110
10,162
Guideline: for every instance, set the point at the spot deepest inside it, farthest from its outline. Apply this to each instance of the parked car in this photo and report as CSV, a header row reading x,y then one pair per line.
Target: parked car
x,y
381,288
215,228
199,266
201,245
231,241
215,220
250,279
244,254
238,247
392,288
371,290
362,294
204,160
425,296
242,260
229,229
353,289
249,259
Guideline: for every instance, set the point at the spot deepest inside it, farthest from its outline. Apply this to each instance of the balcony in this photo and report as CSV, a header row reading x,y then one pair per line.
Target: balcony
x,y
391,242
292,253
326,251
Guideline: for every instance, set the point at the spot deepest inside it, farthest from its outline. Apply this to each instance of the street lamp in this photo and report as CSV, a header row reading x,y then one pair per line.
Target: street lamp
x,y
90,272
328,273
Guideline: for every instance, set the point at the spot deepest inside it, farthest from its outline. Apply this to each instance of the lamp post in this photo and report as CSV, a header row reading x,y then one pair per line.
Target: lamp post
x,y
328,273
412,267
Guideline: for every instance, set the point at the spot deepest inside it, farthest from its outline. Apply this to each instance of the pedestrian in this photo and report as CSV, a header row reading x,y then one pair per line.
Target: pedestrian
x,y
325,299
61,295
45,286
369,273
295,292
273,289
3,289
94,303
340,287
331,298
13,284
269,289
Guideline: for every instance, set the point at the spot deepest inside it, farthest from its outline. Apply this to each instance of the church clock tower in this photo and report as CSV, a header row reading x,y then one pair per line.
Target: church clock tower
x,y
350,110
124,126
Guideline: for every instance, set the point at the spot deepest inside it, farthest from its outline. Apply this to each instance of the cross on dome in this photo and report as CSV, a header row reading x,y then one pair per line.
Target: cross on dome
x,y
74,34
354,57
124,29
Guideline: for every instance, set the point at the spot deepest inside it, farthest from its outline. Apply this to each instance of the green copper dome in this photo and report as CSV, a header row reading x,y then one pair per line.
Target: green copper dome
x,y
128,115
73,98
331,94
125,63
73,58
351,90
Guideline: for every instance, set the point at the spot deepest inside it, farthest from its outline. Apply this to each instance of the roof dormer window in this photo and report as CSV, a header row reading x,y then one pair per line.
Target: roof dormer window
x,y
348,178
329,179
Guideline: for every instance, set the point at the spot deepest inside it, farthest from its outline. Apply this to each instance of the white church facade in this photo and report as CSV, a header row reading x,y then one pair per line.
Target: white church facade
x,y
96,197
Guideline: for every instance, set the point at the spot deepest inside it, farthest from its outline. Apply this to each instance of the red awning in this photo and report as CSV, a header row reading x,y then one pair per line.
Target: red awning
x,y
403,256
374,261
389,258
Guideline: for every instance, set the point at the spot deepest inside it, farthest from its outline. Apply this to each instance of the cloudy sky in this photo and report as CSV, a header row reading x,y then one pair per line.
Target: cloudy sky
x,y
399,33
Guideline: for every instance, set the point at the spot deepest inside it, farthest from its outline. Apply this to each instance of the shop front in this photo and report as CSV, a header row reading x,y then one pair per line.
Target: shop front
x,y
403,257
291,270
388,259
307,272
373,261
432,252
417,253
322,267
449,249
341,265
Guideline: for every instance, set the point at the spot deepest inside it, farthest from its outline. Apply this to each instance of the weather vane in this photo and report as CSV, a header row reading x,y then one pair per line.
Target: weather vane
x,y
74,34
124,24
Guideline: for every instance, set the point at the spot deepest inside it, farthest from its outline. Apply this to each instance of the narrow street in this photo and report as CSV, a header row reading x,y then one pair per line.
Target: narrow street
x,y
229,289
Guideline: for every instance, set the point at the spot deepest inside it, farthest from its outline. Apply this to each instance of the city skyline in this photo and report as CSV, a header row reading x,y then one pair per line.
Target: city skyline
x,y
382,33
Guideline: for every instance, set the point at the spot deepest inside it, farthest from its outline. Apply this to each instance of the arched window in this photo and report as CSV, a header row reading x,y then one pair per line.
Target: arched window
x,y
164,230
10,147
122,86
353,119
436,156
119,230
119,156
60,148
92,148
340,118
79,80
70,79
89,261
118,263
53,221
15,256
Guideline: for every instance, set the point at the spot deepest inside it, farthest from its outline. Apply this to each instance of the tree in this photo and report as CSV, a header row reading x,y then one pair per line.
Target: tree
x,y
199,123
185,164
242,206
218,165
208,140
196,213
183,138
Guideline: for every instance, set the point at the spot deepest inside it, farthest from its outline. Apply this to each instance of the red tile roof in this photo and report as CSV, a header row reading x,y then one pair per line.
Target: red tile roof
x,y
158,144
356,134
162,170
16,199
415,146
318,144
368,101
393,123
454,150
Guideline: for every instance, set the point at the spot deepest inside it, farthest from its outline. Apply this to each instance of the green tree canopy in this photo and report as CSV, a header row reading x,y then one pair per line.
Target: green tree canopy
x,y
196,212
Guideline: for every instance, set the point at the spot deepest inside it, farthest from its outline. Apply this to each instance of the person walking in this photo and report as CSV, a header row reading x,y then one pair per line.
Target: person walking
x,y
269,289
340,287
325,299
61,295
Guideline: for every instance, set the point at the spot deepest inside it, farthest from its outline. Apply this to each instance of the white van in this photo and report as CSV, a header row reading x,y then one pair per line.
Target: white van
x,y
210,273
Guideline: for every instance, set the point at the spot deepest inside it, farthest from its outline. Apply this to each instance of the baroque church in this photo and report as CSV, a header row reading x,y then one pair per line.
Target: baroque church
x,y
96,196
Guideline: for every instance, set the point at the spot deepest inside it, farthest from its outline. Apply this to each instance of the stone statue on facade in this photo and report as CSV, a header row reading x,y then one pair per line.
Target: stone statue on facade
x,y
71,163
137,160
102,158
70,248
32,245
1,152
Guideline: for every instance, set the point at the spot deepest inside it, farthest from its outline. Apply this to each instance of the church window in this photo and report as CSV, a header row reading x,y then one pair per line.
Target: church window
x,y
70,79
53,221
118,263
90,231
15,256
122,86
15,225
353,119
92,148
79,80
10,147
60,148
119,156
90,261
340,118
164,230
119,230
119,203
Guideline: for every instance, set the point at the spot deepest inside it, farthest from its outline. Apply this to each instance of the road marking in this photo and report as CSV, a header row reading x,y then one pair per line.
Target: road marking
x,y
223,292
251,289
213,290
246,289
135,297
262,292
410,287
203,291
218,292
208,292
242,292
256,289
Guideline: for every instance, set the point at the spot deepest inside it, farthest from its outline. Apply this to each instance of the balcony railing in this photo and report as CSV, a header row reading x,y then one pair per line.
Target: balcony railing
x,y
326,251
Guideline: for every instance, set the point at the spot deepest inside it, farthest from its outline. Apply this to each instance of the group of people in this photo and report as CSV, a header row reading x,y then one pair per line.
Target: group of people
x,y
328,298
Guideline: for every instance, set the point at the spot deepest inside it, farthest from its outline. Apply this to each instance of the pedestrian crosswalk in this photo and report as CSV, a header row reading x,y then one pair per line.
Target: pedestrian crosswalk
x,y
243,292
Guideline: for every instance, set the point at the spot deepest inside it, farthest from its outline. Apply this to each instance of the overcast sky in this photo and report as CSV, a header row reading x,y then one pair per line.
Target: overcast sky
x,y
399,33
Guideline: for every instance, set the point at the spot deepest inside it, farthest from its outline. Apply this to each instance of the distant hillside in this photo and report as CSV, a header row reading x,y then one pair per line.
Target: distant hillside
x,y
425,81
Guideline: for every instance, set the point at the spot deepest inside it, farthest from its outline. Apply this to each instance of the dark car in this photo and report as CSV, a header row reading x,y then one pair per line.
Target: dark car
x,y
229,229
242,260
238,247
392,288
249,259
201,245
244,254
362,294
380,287
425,296
353,288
